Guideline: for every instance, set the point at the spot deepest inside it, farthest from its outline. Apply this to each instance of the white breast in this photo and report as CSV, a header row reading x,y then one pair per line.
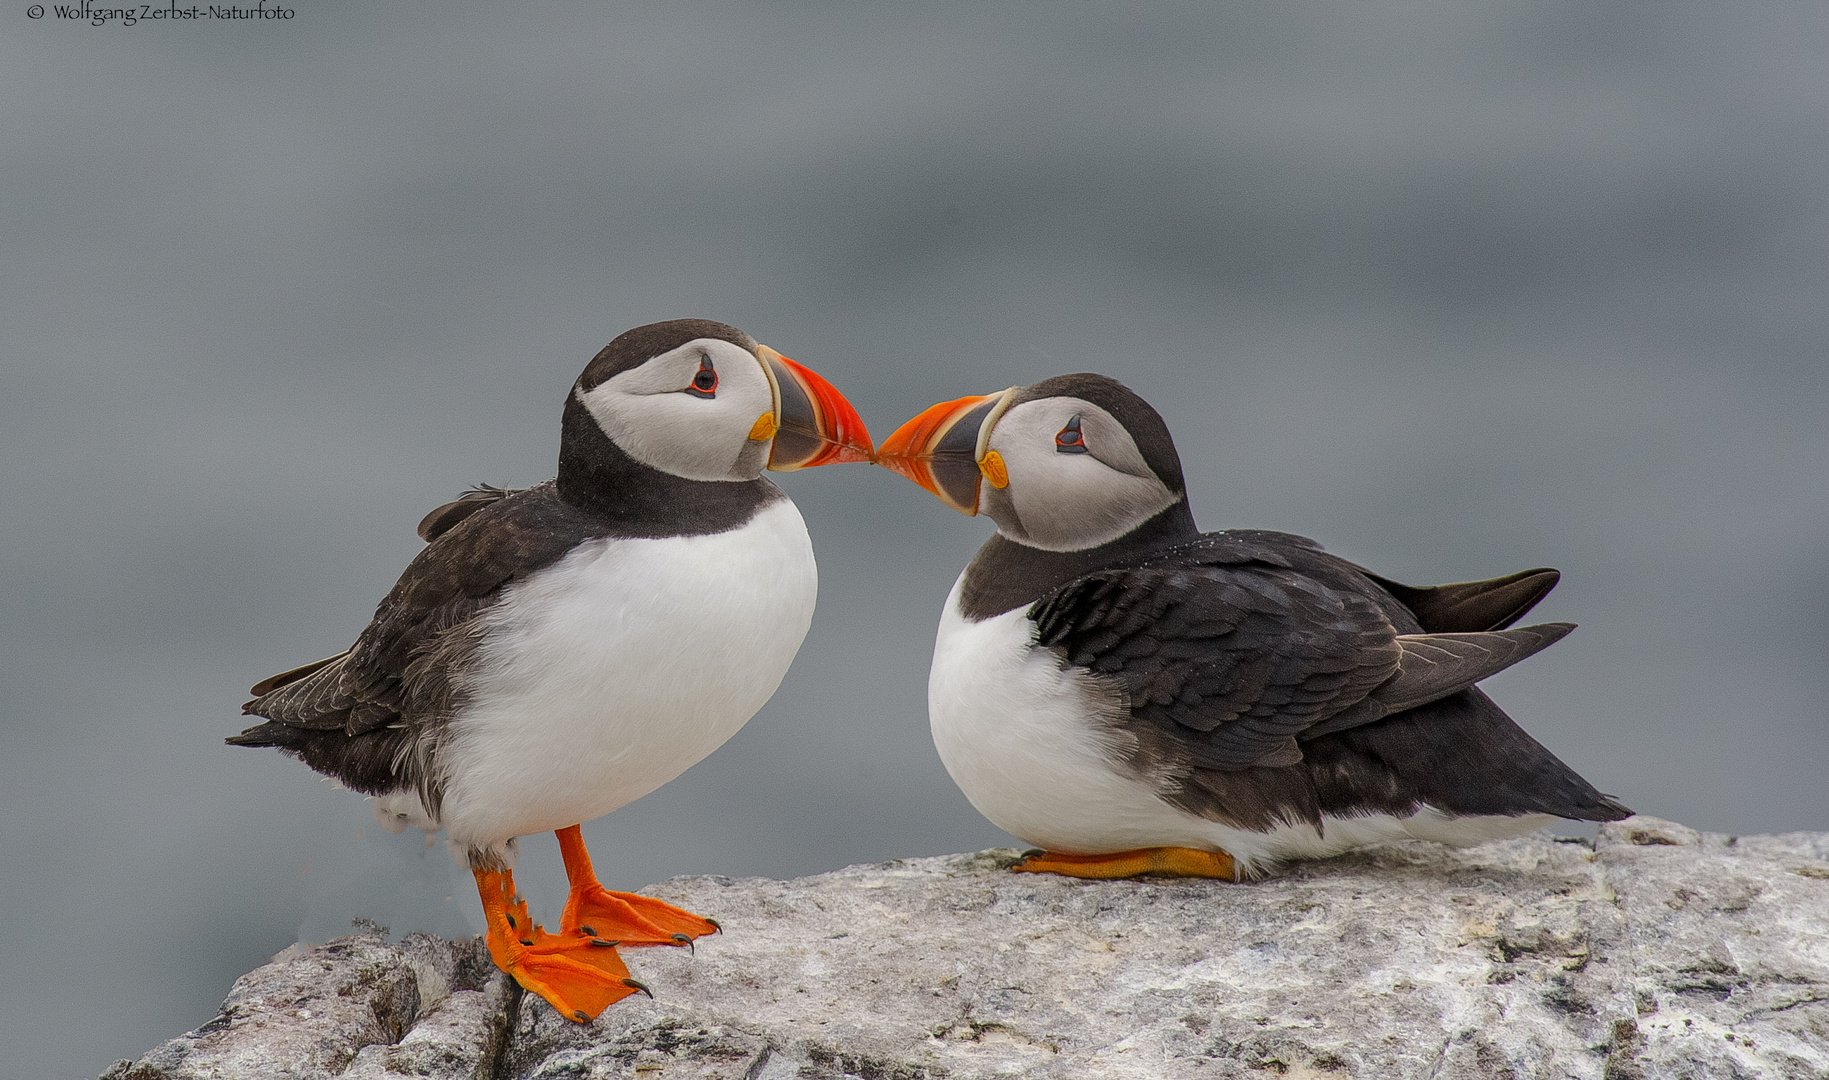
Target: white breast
x,y
613,671
1023,740
1032,746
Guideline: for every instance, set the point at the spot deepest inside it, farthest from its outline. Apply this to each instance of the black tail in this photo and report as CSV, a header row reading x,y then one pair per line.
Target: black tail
x,y
1470,606
271,733
374,762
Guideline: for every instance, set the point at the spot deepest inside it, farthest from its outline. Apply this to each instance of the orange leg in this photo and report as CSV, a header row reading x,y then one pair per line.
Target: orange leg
x,y
618,917
1167,861
578,976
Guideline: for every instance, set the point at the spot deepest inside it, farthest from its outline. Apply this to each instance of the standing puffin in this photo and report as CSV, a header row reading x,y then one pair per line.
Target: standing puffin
x,y
1135,696
558,652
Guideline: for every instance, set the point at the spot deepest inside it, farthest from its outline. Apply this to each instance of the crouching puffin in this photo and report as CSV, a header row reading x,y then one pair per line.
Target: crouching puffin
x,y
1135,696
560,651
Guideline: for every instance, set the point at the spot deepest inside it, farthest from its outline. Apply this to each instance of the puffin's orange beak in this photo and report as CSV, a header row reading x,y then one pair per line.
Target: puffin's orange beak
x,y
814,424
943,449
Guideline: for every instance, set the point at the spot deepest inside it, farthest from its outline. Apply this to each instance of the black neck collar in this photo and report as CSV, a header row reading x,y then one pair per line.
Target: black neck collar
x,y
637,500
1006,575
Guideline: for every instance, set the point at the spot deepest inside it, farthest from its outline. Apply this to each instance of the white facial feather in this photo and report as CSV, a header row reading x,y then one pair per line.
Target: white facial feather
x,y
1068,502
648,413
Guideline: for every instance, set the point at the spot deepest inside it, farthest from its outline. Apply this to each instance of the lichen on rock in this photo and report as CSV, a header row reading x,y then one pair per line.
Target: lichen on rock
x,y
1658,951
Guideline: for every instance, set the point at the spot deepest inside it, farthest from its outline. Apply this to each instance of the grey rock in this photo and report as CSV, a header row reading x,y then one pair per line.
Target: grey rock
x,y
1656,952
350,1007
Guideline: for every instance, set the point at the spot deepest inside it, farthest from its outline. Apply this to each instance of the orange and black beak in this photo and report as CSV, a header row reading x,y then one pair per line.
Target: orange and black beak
x,y
946,449
813,424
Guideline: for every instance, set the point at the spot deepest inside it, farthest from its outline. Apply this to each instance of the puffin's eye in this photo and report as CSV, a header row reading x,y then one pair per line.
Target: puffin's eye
x,y
1069,440
705,381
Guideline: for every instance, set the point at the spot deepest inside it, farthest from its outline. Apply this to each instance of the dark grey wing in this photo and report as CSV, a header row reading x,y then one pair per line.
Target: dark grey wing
x,y
1458,753
392,671
451,581
362,717
1471,606
274,682
307,697
1238,662
322,703
443,519
1229,661
1436,665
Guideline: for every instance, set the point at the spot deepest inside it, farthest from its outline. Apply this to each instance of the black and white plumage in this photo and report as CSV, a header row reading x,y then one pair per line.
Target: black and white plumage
x,y
557,652
1108,678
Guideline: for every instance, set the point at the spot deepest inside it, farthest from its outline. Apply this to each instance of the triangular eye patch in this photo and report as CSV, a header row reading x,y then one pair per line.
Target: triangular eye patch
x,y
705,382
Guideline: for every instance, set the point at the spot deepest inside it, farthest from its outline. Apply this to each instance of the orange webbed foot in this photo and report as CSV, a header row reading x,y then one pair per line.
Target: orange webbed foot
x,y
623,918
1165,861
578,976
628,919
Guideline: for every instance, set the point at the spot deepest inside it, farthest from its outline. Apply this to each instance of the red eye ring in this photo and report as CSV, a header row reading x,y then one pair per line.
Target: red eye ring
x,y
705,381
1070,439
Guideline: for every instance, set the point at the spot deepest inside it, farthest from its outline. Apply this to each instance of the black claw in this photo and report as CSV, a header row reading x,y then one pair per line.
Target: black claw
x,y
639,986
587,931
512,923
686,940
715,928
1030,853
602,944
578,1015
527,943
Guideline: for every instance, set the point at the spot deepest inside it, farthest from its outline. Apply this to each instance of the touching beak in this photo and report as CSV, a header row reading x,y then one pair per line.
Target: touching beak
x,y
813,423
945,449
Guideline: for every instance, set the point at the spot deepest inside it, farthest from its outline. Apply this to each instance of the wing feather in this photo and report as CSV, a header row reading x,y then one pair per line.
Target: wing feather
x,y
1230,658
473,555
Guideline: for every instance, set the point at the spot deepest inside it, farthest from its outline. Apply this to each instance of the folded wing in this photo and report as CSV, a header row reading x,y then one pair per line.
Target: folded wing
x,y
350,715
1236,662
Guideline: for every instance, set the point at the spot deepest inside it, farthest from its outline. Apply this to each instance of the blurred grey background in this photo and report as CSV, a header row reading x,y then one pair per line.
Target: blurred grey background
x,y
1455,288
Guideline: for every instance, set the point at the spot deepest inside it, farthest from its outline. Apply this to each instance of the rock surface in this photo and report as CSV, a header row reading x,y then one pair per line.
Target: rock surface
x,y
1658,952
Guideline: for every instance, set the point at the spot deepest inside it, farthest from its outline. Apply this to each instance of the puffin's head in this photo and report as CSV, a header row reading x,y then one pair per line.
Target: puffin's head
x,y
1070,463
706,401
